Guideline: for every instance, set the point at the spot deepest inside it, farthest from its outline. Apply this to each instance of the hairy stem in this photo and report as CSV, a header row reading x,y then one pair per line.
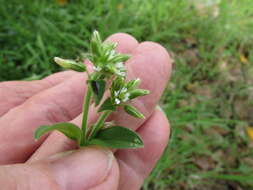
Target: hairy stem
x,y
86,106
99,123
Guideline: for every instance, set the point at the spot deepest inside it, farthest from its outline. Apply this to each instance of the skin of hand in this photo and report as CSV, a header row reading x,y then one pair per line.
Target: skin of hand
x,y
53,162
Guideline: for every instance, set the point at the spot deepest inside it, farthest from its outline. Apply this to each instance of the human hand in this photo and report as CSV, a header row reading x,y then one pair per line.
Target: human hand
x,y
49,163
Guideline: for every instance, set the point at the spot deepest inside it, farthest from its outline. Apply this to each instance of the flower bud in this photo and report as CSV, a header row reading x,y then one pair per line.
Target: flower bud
x,y
95,44
70,64
138,92
117,84
133,111
96,36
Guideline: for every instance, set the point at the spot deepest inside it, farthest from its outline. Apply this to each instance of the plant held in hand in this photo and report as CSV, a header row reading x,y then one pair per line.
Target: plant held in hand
x,y
109,73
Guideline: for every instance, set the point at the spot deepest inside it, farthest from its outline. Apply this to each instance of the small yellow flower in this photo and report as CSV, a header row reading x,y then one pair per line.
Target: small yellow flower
x,y
250,132
62,2
120,6
243,59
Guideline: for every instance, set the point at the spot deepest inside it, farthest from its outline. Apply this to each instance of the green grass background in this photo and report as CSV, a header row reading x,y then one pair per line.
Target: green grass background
x,y
209,100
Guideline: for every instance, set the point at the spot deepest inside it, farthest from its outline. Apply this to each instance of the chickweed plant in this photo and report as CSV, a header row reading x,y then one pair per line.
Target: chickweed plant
x,y
108,73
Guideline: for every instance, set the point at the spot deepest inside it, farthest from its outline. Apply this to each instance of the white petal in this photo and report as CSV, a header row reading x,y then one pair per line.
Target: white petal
x,y
117,101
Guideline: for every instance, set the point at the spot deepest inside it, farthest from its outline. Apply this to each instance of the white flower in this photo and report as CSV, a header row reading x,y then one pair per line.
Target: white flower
x,y
126,98
97,68
117,101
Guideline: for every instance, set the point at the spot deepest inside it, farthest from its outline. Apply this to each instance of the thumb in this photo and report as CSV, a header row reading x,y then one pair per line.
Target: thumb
x,y
79,170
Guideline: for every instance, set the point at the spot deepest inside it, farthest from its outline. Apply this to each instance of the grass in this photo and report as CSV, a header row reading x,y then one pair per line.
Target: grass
x,y
209,99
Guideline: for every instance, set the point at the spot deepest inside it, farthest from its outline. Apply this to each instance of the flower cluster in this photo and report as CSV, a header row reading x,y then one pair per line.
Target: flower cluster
x,y
121,92
107,62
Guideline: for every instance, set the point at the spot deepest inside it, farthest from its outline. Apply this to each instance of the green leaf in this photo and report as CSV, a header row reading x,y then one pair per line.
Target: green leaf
x,y
107,105
70,64
133,111
138,92
98,89
68,129
117,137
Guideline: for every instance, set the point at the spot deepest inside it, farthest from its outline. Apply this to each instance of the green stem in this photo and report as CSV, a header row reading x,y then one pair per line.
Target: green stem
x,y
99,123
86,105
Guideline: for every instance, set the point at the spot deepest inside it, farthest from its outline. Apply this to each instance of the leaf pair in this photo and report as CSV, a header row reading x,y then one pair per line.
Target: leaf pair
x,y
112,137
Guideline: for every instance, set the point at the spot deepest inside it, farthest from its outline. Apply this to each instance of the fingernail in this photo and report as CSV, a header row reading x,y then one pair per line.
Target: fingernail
x,y
60,155
82,169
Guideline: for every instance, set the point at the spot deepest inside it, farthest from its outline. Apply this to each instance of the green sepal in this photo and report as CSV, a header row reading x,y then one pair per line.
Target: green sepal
x,y
98,89
70,130
107,105
133,111
108,47
132,84
117,137
119,58
117,84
